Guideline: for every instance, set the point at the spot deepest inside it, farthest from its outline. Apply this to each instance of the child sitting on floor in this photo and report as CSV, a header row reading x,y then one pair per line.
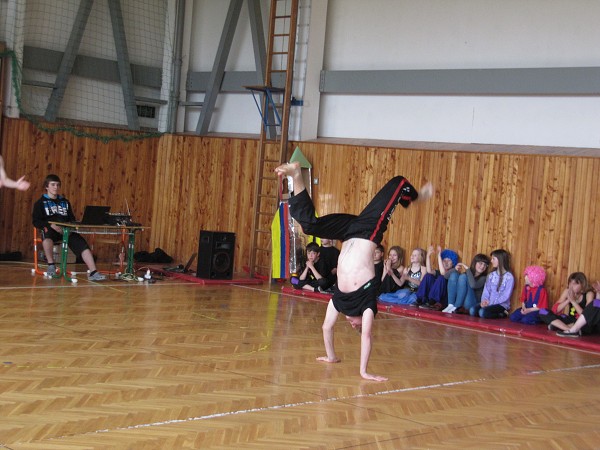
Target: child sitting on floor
x,y
432,291
533,297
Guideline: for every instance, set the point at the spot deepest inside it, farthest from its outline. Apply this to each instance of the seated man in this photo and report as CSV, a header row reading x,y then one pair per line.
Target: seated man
x,y
52,207
316,276
355,294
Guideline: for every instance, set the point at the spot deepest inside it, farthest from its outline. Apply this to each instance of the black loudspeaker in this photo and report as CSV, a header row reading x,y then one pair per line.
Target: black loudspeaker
x,y
215,255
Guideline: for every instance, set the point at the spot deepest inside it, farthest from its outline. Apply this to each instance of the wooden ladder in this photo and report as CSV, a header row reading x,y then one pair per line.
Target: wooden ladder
x,y
276,98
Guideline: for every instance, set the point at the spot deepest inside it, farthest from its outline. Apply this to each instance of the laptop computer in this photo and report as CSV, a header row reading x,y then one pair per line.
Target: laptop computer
x,y
94,215
180,268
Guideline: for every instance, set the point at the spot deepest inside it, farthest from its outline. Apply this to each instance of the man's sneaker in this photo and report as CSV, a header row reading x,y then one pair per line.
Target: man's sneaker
x,y
97,277
553,328
51,271
449,309
568,333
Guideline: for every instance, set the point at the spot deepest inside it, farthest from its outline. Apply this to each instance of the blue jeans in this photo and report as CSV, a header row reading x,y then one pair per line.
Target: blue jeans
x,y
452,288
400,297
489,312
459,291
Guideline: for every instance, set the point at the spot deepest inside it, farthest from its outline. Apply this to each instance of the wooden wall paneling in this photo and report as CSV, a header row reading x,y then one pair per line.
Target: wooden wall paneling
x,y
369,184
243,201
517,231
495,205
420,219
482,186
573,226
498,206
524,232
580,235
562,192
186,195
207,208
457,203
449,226
490,207
454,218
554,209
19,159
537,201
237,186
230,185
209,187
441,176
539,179
507,220
189,209
485,186
162,190
183,209
472,198
591,240
9,199
195,175
347,181
504,219
510,196
5,200
594,245
172,201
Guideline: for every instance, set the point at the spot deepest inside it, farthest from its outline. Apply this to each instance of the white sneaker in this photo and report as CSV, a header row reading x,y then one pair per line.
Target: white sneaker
x,y
97,277
449,309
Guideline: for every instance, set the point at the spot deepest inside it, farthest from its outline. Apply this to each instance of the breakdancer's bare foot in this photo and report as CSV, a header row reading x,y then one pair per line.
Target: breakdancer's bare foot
x,y
288,169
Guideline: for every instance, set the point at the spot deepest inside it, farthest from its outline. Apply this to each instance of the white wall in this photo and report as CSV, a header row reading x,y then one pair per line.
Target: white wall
x,y
375,35
441,34
234,113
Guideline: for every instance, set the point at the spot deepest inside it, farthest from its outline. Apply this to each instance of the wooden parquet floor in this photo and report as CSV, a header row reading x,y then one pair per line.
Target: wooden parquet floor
x,y
179,365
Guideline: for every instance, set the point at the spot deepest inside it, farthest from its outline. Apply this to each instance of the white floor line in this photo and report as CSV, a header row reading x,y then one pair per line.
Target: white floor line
x,y
327,400
287,405
564,369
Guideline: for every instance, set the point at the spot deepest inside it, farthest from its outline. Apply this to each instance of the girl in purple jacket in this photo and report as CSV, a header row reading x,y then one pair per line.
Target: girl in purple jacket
x,y
495,300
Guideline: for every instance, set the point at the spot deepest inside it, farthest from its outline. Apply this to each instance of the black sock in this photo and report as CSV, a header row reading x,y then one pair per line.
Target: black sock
x,y
93,272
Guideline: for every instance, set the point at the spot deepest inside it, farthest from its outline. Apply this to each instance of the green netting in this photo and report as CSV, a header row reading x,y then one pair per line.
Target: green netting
x,y
94,95
48,128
